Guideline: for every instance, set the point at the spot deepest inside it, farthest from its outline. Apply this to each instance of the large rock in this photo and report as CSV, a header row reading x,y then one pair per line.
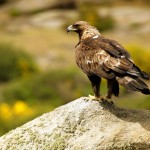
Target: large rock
x,y
83,125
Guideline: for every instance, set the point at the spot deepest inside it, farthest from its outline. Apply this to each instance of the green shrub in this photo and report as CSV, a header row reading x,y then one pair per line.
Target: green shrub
x,y
57,87
91,15
14,63
140,56
14,12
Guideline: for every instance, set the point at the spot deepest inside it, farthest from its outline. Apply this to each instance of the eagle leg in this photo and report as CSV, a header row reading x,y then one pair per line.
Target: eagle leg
x,y
95,81
109,87
113,88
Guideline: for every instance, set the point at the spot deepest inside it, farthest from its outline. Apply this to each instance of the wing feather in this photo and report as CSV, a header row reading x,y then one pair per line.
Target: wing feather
x,y
109,63
113,47
105,58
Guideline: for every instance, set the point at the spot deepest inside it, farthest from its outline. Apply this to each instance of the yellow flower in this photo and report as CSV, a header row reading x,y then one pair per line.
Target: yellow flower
x,y
21,108
5,111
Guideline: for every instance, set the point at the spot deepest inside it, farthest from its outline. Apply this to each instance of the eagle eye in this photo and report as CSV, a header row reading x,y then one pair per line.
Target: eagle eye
x,y
76,25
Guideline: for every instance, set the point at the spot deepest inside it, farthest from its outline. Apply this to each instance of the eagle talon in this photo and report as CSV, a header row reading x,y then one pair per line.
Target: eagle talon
x,y
97,98
103,98
92,97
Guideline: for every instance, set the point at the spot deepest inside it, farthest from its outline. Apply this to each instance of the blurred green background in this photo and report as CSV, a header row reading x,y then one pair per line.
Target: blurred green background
x,y
37,68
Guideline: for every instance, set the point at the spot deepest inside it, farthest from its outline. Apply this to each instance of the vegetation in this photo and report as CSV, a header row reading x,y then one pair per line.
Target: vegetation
x,y
52,86
14,12
141,57
14,63
102,22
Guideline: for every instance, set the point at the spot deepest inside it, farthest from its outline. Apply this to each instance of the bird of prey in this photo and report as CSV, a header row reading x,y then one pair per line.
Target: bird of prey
x,y
100,57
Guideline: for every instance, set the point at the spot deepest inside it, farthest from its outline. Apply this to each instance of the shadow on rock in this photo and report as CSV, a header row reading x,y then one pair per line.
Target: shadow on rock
x,y
140,116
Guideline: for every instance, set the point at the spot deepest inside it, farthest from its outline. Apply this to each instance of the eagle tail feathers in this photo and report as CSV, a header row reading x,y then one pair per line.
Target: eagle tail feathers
x,y
140,73
146,91
145,75
133,84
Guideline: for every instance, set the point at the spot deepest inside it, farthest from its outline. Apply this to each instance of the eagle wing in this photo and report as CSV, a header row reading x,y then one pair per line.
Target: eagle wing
x,y
112,47
105,58
116,65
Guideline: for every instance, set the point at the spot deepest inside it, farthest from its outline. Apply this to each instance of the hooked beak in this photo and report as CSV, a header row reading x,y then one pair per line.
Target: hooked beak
x,y
70,28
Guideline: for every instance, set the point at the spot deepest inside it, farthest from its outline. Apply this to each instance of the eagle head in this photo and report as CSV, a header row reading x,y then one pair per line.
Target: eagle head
x,y
84,29
78,26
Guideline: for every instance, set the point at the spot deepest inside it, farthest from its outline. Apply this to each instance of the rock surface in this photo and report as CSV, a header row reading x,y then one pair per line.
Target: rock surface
x,y
83,125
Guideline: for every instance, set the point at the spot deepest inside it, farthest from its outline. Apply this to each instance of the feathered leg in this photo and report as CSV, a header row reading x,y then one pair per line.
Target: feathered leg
x,y
113,88
109,87
95,81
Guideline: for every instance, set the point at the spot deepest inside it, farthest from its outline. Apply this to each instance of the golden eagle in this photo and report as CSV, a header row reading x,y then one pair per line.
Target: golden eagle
x,y
100,57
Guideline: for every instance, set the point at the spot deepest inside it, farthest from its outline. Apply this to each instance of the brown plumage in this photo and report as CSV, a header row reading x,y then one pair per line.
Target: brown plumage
x,y
98,57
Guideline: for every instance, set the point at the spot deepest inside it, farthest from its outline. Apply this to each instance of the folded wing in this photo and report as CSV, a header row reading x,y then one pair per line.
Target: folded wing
x,y
112,56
